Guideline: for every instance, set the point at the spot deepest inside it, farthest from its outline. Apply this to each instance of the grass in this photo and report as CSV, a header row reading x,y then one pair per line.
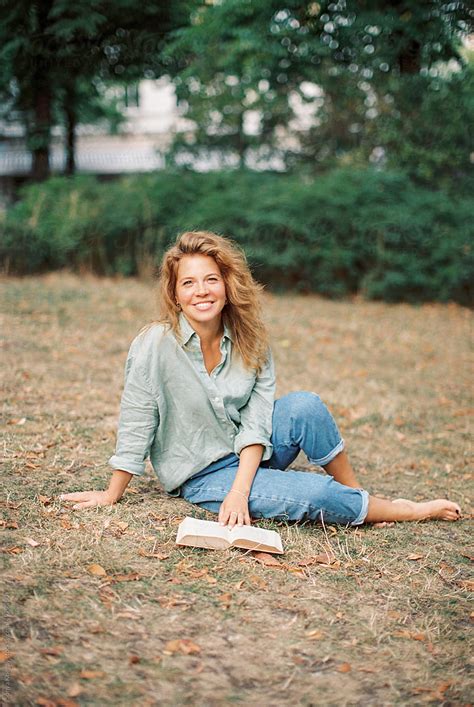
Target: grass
x,y
386,623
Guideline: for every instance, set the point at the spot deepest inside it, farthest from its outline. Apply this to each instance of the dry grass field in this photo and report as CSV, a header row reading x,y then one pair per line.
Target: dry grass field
x,y
100,607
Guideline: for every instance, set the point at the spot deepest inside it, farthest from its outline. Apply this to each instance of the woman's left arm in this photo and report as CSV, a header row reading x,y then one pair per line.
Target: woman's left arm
x,y
252,444
234,509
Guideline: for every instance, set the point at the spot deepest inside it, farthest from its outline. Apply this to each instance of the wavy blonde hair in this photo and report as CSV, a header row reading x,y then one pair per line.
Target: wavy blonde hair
x,y
242,312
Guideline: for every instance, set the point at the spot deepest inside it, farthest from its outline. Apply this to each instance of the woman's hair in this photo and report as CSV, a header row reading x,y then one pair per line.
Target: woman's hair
x,y
242,312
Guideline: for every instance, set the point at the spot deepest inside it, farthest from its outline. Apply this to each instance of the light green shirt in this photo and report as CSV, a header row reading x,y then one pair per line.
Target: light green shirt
x,y
182,418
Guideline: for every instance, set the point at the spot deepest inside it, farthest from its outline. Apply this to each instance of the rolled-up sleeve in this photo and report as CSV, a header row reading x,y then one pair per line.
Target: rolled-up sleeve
x,y
138,420
256,415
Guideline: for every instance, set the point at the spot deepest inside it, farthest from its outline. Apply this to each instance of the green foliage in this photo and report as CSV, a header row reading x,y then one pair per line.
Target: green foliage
x,y
345,232
349,63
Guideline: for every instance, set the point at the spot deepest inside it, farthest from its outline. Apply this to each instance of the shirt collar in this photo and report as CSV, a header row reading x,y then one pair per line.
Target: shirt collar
x,y
187,332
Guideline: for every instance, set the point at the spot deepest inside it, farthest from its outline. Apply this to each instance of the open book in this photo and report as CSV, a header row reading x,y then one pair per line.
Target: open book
x,y
207,533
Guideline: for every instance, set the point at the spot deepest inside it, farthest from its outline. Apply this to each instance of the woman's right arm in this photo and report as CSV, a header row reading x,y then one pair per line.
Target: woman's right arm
x,y
138,423
88,499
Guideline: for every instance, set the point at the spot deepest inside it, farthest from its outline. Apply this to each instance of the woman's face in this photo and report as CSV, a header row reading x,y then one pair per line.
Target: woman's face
x,y
200,289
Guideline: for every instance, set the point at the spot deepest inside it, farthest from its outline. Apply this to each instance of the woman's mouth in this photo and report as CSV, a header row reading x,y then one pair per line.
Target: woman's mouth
x,y
202,306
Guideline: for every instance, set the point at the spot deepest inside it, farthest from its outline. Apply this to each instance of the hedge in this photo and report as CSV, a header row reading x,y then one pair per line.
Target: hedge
x,y
347,231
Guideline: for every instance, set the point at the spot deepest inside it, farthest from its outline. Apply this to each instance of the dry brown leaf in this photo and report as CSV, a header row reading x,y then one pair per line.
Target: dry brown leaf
x,y
258,582
5,655
469,557
344,668
266,559
51,650
75,690
154,555
415,556
17,421
413,635
91,674
296,571
15,550
240,585
10,524
44,499
467,584
168,602
133,659
182,645
324,558
131,577
225,599
97,570
314,635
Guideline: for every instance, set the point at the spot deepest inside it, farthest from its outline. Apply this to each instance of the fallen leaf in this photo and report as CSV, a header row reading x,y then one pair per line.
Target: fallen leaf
x,y
10,524
17,421
33,543
225,599
469,557
297,571
154,555
91,674
258,581
325,558
168,602
15,550
133,659
75,690
97,570
314,635
366,670
44,499
413,635
131,577
182,645
51,650
266,559
467,584
344,668
5,655
415,556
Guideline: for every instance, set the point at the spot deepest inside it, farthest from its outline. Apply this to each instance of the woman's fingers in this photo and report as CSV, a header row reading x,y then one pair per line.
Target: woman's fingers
x,y
76,496
84,504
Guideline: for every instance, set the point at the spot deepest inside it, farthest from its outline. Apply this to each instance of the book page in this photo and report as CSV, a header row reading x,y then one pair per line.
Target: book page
x,y
251,537
209,534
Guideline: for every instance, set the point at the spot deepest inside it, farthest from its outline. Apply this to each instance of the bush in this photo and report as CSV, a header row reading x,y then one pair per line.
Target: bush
x,y
344,232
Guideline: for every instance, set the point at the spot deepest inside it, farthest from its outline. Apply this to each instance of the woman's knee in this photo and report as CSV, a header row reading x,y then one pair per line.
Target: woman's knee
x,y
306,406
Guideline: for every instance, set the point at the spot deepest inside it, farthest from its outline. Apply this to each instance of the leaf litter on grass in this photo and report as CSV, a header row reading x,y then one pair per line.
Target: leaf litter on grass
x,y
379,614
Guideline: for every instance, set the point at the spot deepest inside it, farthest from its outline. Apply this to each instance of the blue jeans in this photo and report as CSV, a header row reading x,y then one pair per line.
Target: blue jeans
x,y
301,421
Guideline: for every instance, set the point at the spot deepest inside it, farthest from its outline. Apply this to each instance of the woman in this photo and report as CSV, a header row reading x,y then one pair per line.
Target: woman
x,y
199,401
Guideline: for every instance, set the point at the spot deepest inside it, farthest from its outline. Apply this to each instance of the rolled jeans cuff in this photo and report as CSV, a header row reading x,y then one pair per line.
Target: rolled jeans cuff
x,y
322,461
364,509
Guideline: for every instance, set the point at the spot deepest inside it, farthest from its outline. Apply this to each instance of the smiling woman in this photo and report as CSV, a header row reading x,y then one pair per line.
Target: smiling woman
x,y
199,402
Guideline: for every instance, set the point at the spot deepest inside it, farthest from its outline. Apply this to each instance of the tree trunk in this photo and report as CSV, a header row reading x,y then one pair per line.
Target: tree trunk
x,y
41,132
71,121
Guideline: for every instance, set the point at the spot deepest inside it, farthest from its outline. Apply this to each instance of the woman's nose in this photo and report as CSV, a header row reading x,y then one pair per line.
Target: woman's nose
x,y
202,288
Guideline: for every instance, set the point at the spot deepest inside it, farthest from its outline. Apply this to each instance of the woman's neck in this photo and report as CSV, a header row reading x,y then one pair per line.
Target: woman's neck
x,y
209,332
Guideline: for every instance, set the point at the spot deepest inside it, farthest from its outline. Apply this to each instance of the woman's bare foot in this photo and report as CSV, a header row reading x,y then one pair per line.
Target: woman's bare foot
x,y
380,510
440,509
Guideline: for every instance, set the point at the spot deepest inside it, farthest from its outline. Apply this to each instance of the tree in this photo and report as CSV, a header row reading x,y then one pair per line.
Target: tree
x,y
51,50
267,57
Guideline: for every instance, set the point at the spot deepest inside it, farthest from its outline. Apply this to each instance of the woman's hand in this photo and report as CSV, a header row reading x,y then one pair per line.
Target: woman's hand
x,y
234,510
88,499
